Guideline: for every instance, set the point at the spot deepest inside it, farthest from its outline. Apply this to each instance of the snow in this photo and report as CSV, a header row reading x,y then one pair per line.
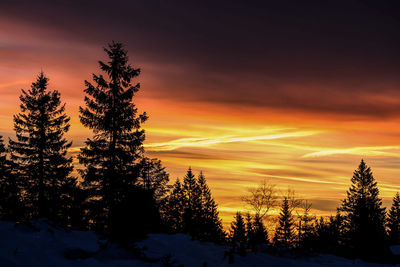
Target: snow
x,y
41,244
395,250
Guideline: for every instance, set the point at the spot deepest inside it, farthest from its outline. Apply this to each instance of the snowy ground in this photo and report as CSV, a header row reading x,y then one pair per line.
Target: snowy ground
x,y
45,245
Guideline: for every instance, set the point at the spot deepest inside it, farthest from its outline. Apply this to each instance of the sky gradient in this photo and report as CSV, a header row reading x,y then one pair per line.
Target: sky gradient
x,y
293,92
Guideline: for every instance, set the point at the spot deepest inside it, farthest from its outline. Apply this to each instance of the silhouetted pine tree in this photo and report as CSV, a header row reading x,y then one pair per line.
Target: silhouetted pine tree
x,y
238,235
393,221
193,207
190,208
328,236
40,149
250,232
364,215
153,177
284,233
174,208
305,226
260,231
256,232
10,205
112,155
74,205
209,223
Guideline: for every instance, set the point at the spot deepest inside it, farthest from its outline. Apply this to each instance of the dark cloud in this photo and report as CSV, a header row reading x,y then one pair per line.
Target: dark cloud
x,y
310,56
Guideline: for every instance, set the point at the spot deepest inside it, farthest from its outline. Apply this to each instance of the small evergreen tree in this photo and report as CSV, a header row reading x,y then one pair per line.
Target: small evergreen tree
x,y
40,151
238,235
364,215
393,221
284,234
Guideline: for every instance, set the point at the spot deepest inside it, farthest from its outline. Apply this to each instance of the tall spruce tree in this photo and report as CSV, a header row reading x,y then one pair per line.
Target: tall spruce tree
x,y
111,156
364,215
10,205
209,223
193,207
40,150
393,221
284,234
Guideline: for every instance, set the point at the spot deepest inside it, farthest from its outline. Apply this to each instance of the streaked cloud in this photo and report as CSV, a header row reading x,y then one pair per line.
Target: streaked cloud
x,y
210,141
289,101
360,151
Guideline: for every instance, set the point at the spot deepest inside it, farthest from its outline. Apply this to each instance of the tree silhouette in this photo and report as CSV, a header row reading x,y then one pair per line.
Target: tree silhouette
x,y
238,237
153,177
328,236
250,232
209,222
74,206
262,198
40,151
174,208
256,232
284,234
260,231
192,209
111,156
393,221
364,215
305,225
10,205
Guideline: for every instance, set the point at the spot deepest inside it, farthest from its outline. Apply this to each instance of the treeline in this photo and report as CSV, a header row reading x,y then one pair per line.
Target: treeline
x,y
361,227
121,193
124,195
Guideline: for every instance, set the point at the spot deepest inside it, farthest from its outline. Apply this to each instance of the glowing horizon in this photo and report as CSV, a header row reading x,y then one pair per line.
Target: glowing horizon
x,y
296,105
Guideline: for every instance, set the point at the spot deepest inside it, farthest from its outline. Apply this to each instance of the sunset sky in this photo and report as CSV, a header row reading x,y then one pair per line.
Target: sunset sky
x,y
296,92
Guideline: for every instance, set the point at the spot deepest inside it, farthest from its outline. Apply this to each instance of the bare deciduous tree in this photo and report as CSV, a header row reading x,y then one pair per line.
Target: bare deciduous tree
x,y
262,198
294,201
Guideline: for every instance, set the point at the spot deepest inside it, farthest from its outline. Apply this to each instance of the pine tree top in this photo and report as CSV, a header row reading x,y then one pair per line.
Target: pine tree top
x,y
2,146
109,105
363,188
394,212
41,123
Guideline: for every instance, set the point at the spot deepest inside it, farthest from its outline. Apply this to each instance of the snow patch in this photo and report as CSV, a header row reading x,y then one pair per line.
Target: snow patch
x,y
41,244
